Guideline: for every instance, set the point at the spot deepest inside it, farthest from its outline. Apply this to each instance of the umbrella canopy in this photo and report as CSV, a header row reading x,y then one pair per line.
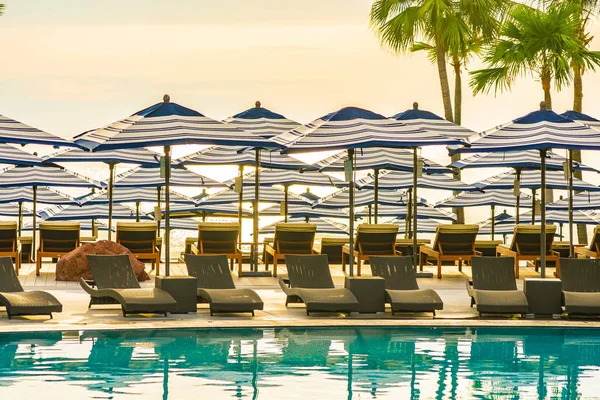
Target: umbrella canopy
x,y
364,197
305,211
516,159
44,176
380,158
45,195
145,158
424,226
559,217
354,128
582,119
431,122
485,227
12,210
225,209
261,121
324,225
270,177
14,155
530,179
404,180
268,194
503,197
135,195
400,211
12,131
184,224
581,201
89,211
150,177
85,225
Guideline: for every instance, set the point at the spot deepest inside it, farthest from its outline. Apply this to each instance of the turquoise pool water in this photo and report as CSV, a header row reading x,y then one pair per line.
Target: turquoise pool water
x,y
331,363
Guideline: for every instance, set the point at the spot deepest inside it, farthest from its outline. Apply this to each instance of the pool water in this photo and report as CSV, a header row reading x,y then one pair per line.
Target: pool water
x,y
286,363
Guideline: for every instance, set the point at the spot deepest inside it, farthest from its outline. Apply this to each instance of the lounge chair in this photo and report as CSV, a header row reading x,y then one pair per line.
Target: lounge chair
x,y
401,288
487,248
116,283
525,246
56,240
309,282
19,302
581,286
594,250
140,239
290,238
451,243
494,289
219,238
9,243
332,246
372,240
216,287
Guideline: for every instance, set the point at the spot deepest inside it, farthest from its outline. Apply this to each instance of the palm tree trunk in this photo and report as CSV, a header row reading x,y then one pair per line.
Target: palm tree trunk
x,y
546,81
460,212
440,53
578,106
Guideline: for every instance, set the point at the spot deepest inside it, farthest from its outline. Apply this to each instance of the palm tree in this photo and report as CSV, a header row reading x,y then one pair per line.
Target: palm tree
x,y
538,43
1,9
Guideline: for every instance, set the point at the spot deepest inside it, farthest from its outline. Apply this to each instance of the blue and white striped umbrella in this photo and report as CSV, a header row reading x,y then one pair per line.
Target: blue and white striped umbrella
x,y
557,216
270,177
12,210
150,177
404,180
530,179
380,158
14,155
485,227
399,211
12,131
503,197
425,225
135,195
183,224
364,197
262,122
324,225
581,201
44,176
45,195
143,157
305,211
516,159
85,225
431,122
225,209
268,194
89,211
582,119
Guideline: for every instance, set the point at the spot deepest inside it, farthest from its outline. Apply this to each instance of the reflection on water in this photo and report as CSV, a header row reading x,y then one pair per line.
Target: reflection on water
x,y
333,363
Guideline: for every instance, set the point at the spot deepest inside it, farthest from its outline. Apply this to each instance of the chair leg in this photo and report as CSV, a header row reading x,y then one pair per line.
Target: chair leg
x,y
421,261
157,266
358,267
38,265
231,264
459,265
50,314
275,266
343,262
240,267
253,313
439,265
516,268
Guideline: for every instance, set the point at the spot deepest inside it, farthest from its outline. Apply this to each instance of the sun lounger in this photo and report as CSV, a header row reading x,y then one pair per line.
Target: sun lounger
x,y
525,246
581,286
401,288
494,289
452,243
219,238
290,238
594,250
9,243
19,302
141,239
115,280
56,240
216,287
309,282
372,240
332,246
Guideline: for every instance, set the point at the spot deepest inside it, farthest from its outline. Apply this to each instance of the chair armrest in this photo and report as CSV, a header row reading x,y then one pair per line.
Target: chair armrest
x,y
469,286
270,249
284,283
194,249
500,249
585,252
86,286
477,252
398,252
428,250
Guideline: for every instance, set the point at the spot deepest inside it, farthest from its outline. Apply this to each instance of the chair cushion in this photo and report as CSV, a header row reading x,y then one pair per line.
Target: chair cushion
x,y
30,303
501,301
421,300
582,302
232,300
339,299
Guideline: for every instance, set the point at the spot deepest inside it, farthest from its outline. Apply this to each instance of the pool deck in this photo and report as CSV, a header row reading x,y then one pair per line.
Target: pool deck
x,y
77,316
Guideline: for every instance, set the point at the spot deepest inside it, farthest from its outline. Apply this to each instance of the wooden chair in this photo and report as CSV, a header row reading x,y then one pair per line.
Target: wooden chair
x,y
332,246
525,246
219,238
140,239
56,240
487,248
290,238
452,243
9,243
594,250
372,240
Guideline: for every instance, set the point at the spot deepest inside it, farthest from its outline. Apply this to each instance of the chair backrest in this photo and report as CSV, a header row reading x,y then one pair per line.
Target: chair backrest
x,y
211,272
112,272
8,236
376,238
138,237
580,274
309,271
397,271
9,282
455,239
595,243
218,237
493,273
526,239
59,237
294,238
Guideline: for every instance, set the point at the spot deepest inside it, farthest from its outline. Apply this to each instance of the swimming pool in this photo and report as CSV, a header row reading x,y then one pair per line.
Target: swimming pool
x,y
290,363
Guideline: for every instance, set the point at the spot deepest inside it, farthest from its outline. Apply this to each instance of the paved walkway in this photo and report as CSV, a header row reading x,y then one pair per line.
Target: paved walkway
x,y
76,315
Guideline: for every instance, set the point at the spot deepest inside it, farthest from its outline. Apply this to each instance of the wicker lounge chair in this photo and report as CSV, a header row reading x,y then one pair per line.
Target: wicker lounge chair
x,y
525,246
401,287
494,289
140,239
56,240
309,282
372,240
594,250
116,283
216,287
219,238
9,243
452,243
19,302
290,238
581,286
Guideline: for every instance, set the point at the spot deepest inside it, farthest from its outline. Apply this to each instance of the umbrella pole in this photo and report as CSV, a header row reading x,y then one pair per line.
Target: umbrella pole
x,y
111,183
286,188
518,197
351,201
137,211
20,221
158,203
408,219
376,195
493,209
370,208
414,208
33,252
543,215
241,199
255,211
167,211
571,250
533,206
